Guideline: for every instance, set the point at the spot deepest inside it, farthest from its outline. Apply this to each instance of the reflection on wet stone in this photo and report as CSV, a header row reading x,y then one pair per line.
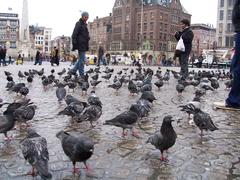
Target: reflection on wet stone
x,y
215,156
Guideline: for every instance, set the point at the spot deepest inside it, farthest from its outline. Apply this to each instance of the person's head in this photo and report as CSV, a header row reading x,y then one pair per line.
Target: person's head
x,y
185,23
85,16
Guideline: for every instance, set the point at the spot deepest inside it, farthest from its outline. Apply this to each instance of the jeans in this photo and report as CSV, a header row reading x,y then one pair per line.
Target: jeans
x,y
183,60
80,63
3,61
234,95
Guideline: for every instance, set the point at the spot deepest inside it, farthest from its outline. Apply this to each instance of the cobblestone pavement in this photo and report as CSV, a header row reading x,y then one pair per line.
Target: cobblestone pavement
x,y
216,156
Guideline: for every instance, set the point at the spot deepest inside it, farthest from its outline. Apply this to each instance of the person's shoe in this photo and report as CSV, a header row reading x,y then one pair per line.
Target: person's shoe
x,y
231,106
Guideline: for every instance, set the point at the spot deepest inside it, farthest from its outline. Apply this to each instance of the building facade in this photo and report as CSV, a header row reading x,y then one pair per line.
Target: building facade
x,y
9,32
146,25
40,39
100,32
225,31
204,38
139,25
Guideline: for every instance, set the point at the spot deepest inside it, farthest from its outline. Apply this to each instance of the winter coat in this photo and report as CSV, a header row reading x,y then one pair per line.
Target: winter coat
x,y
236,16
187,36
80,37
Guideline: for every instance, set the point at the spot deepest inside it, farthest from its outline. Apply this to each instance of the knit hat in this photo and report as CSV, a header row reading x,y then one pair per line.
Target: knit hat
x,y
85,14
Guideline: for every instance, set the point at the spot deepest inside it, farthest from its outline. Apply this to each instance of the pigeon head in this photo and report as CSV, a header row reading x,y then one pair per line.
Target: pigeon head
x,y
92,92
61,134
168,119
32,133
135,108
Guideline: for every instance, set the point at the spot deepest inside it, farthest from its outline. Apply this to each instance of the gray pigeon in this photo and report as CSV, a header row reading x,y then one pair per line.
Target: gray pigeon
x,y
125,120
61,92
77,148
165,138
34,149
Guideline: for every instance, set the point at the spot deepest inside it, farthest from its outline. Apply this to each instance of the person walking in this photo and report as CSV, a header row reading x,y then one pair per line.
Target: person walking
x,y
233,99
100,56
55,57
3,52
80,42
37,58
187,35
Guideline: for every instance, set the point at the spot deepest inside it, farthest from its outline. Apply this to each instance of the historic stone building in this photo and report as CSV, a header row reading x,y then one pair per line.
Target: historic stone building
x,y
9,32
100,32
204,38
224,23
144,25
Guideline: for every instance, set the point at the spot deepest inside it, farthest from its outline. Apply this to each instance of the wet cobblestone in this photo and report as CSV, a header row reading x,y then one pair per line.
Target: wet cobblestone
x,y
216,156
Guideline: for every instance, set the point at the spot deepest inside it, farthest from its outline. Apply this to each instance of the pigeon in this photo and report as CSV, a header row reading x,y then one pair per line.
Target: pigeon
x,y
61,92
91,113
77,148
20,74
93,99
24,91
62,72
202,119
159,83
69,99
7,120
9,78
180,88
214,83
125,120
188,107
94,83
34,149
165,138
148,95
132,88
30,79
117,85
25,113
72,85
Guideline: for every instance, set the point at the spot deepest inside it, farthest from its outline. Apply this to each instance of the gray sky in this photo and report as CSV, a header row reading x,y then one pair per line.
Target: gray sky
x,y
61,15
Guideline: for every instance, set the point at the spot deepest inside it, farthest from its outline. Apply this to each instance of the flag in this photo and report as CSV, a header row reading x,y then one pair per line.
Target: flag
x,y
10,9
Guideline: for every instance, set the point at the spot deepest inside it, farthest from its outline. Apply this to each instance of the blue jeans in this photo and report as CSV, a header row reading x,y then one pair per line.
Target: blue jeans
x,y
80,63
234,95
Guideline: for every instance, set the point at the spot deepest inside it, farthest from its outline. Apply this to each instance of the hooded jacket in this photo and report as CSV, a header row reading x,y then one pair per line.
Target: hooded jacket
x,y
80,37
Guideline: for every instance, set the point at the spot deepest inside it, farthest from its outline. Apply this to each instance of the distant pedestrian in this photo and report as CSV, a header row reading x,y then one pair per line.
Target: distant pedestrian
x,y
233,99
19,60
214,59
38,58
187,35
80,42
55,56
108,58
3,52
101,56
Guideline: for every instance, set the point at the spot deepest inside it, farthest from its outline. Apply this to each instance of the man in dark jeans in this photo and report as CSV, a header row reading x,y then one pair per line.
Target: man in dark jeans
x,y
55,57
215,59
233,99
187,36
80,42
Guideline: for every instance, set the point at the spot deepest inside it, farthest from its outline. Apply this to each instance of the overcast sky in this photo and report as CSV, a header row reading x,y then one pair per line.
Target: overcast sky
x,y
61,15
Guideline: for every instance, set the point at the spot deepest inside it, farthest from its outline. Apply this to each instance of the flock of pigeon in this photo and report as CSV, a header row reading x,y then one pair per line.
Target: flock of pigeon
x,y
80,148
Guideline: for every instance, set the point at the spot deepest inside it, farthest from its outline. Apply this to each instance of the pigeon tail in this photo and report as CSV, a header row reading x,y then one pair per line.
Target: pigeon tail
x,y
42,169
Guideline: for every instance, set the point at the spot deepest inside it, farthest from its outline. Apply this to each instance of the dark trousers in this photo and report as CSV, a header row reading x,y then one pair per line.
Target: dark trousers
x,y
234,95
183,60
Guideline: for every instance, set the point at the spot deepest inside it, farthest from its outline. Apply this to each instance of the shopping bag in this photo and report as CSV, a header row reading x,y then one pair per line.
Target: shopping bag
x,y
180,45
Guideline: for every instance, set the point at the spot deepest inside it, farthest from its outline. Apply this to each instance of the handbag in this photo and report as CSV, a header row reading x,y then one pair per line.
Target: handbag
x,y
180,45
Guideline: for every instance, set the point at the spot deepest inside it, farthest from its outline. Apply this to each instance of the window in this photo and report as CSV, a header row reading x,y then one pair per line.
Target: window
x,y
229,41
220,41
229,14
222,3
151,35
231,3
220,28
229,27
152,15
221,15
151,26
145,27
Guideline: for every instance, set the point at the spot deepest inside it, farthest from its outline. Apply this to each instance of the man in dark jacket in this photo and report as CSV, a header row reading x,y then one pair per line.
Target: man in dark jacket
x,y
187,36
233,99
100,56
80,39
